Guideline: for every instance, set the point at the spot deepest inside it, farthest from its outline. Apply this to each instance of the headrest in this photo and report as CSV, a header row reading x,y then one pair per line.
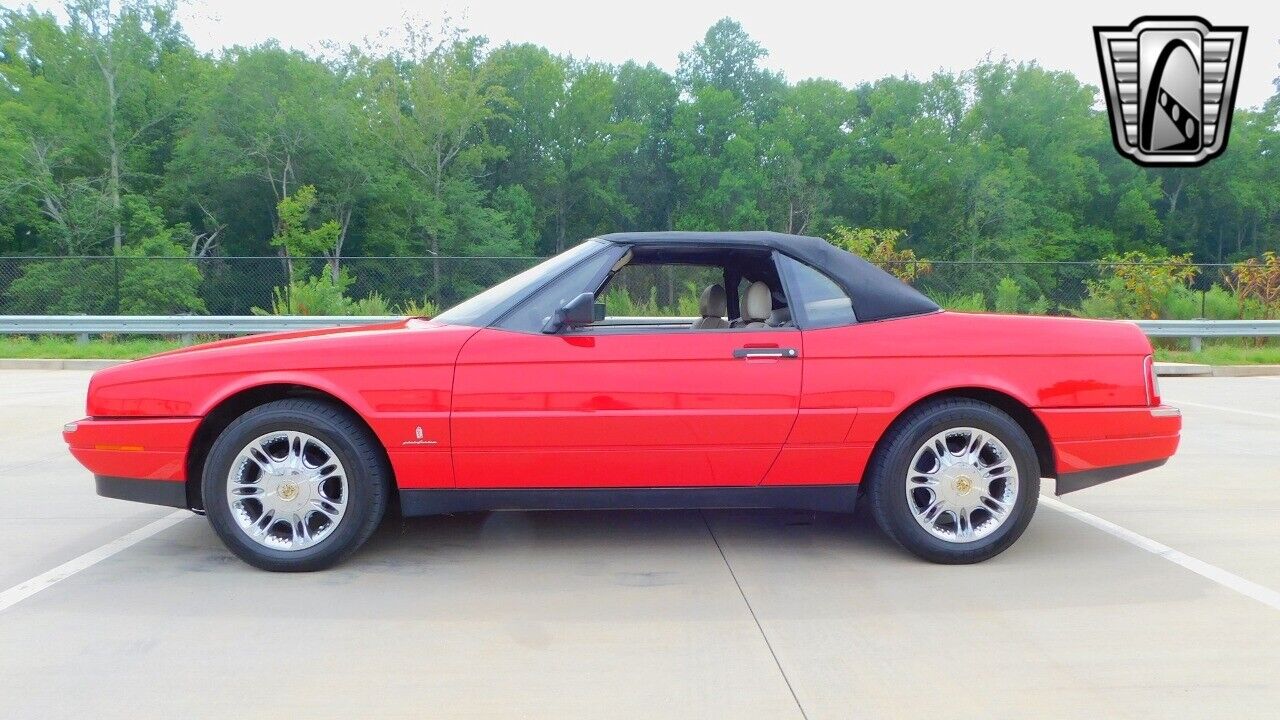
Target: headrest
x,y
759,302
713,302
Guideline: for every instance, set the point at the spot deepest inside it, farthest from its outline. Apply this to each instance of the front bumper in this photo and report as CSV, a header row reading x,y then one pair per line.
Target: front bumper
x,y
154,492
142,459
1096,445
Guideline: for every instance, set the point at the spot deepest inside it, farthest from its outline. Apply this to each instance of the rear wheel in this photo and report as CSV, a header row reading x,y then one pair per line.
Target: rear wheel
x,y
956,481
295,485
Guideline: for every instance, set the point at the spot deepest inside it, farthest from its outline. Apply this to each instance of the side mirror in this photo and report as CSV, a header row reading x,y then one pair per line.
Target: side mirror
x,y
582,310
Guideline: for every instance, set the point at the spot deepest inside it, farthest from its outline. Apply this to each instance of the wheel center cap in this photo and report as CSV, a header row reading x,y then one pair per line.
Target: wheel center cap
x,y
288,490
964,484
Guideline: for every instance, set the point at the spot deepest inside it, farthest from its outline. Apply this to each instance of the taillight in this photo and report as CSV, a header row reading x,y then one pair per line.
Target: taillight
x,y
1152,382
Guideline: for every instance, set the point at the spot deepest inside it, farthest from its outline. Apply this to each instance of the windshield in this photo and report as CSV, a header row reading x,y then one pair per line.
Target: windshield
x,y
480,310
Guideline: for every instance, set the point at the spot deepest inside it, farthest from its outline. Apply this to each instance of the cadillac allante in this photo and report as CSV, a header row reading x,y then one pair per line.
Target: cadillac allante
x,y
808,379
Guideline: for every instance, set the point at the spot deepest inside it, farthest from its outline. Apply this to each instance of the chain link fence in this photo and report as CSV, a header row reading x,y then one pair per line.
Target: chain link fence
x,y
235,285
246,285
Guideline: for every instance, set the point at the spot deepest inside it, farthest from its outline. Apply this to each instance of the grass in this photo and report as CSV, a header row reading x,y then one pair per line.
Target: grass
x,y
58,347
1226,354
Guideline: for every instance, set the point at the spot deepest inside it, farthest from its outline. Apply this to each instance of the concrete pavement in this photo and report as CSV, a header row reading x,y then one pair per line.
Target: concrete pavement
x,y
660,614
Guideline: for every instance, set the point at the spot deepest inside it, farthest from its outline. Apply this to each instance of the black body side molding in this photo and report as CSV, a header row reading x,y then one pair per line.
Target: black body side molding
x,y
1071,482
823,498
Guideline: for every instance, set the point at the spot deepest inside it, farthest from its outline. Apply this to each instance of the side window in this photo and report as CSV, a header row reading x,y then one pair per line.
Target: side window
x,y
533,313
667,290
825,304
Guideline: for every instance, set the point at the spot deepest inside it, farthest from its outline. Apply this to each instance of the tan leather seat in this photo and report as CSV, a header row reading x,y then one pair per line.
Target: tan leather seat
x,y
780,317
713,306
757,305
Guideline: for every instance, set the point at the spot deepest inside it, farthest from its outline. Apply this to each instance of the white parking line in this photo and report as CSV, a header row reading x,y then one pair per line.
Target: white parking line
x,y
22,591
1255,413
1231,581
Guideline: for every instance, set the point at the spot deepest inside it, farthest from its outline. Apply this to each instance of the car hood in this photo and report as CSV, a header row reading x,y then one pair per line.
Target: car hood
x,y
182,382
288,335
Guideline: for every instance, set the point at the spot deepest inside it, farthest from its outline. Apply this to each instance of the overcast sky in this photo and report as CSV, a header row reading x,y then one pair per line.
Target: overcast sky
x,y
847,41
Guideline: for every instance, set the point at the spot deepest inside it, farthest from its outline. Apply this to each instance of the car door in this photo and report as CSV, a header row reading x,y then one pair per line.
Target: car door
x,y
620,407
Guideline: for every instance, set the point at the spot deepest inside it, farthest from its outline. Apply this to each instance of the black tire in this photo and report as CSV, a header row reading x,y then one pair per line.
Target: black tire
x,y
888,470
367,482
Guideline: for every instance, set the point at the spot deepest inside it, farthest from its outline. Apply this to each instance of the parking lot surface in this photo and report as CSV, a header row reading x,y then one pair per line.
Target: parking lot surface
x,y
656,614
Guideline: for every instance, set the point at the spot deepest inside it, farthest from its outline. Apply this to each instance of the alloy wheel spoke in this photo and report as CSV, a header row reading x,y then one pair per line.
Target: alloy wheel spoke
x,y
940,448
284,478
300,529
997,508
931,513
264,522
960,482
996,472
328,507
973,448
924,479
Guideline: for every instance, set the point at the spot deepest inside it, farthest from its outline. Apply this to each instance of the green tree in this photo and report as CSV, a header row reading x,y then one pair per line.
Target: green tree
x,y
728,59
298,234
431,103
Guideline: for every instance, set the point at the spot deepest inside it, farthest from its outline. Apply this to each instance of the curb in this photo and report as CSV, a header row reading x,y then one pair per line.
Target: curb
x,y
1172,369
56,364
1246,370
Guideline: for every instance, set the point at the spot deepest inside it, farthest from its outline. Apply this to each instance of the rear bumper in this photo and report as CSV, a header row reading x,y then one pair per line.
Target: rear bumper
x,y
1073,481
139,459
1096,445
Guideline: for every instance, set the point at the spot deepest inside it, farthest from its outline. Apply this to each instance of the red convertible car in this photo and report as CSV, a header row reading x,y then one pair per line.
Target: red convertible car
x,y
809,379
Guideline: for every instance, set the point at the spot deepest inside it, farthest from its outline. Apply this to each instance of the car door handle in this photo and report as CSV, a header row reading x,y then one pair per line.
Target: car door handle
x,y
765,352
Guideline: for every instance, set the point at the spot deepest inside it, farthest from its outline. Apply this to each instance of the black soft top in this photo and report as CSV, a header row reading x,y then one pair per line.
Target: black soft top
x,y
876,294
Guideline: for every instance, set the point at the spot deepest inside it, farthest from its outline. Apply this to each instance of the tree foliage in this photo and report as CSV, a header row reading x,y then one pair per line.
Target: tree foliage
x,y
881,248
446,146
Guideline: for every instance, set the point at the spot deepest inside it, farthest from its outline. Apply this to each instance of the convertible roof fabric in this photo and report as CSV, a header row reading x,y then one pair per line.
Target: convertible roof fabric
x,y
876,294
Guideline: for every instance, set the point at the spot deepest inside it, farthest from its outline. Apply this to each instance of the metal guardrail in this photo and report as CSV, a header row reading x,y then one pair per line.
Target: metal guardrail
x,y
1198,330
185,325
190,325
1209,328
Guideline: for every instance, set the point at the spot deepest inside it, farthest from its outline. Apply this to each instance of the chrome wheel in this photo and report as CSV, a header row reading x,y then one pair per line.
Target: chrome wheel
x,y
287,490
962,484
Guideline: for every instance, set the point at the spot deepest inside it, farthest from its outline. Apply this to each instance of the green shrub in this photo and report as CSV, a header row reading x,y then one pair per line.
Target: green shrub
x,y
155,279
961,302
425,309
321,295
68,286
374,304
1136,285
1106,299
619,303
1008,296
1222,304
688,303
1217,303
318,295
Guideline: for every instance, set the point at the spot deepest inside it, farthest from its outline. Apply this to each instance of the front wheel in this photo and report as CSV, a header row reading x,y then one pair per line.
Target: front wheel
x,y
956,481
295,485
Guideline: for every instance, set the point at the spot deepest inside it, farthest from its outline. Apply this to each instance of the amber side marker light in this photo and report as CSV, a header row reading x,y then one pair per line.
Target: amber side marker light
x,y
119,448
